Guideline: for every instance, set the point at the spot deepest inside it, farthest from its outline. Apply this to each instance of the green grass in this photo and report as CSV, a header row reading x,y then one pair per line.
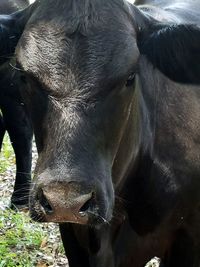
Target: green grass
x,y
18,240
7,157
23,243
27,244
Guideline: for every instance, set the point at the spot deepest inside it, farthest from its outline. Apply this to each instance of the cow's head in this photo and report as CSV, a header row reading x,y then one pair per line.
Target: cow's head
x,y
78,61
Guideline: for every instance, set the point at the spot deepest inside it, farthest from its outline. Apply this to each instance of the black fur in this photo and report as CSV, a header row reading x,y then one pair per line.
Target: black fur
x,y
14,119
110,123
8,37
174,50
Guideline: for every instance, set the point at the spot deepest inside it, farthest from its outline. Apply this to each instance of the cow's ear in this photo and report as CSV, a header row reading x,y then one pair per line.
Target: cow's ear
x,y
175,51
11,28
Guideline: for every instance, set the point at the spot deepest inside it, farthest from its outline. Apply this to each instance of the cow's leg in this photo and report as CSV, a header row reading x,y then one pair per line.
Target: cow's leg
x,y
77,255
20,131
183,252
2,131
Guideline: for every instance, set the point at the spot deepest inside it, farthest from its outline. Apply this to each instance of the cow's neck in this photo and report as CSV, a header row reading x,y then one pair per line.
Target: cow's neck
x,y
164,129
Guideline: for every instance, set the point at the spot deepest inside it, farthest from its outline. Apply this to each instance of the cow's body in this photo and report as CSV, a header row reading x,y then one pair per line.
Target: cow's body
x,y
14,119
113,92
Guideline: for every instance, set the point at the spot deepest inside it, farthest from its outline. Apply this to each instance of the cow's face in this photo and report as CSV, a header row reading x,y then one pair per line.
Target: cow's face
x,y
78,71
78,60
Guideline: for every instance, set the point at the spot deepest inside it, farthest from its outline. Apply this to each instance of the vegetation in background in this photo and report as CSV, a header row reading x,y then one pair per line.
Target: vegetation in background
x,y
7,158
24,243
18,240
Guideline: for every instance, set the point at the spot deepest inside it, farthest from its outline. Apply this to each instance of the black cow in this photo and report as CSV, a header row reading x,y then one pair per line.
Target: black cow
x,y
113,92
152,2
14,117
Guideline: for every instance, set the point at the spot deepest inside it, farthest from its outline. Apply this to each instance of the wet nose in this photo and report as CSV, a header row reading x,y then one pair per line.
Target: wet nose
x,y
61,203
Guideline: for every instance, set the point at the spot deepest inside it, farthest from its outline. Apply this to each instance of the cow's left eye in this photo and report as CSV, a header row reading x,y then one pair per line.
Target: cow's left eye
x,y
130,80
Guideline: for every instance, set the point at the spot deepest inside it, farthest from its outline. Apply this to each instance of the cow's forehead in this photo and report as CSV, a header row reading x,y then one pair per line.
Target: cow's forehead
x,y
58,48
81,15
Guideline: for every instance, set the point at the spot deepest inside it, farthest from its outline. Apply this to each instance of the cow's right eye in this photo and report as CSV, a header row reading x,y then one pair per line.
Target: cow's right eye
x,y
130,80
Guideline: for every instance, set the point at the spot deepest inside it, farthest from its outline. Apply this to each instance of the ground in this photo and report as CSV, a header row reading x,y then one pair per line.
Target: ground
x,y
25,243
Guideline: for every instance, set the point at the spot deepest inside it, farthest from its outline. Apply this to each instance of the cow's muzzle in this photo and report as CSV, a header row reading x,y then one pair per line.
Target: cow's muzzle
x,y
64,202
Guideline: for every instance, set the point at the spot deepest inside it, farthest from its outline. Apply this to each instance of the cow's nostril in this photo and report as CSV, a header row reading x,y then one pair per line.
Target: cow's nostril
x,y
87,205
45,203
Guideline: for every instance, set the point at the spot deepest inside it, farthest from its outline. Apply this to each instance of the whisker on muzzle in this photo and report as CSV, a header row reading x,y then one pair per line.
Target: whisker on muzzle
x,y
102,219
